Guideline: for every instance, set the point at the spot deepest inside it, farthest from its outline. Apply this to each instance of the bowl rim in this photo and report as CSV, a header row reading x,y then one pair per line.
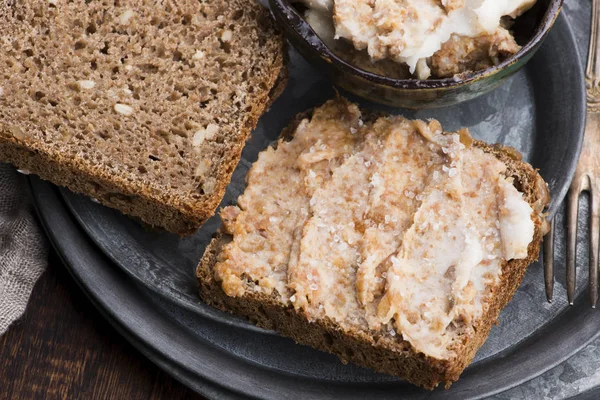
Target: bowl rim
x,y
298,24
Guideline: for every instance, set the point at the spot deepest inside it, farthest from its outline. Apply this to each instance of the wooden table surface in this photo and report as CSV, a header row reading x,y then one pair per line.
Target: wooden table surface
x,y
63,348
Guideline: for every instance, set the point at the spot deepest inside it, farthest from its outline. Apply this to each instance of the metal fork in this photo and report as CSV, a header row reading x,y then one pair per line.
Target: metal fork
x,y
586,178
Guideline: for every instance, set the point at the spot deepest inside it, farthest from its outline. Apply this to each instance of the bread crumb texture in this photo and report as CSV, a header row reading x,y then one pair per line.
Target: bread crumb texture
x,y
120,89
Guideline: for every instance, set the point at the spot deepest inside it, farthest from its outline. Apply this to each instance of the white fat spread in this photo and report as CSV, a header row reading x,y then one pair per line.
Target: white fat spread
x,y
382,225
320,20
410,31
516,228
455,248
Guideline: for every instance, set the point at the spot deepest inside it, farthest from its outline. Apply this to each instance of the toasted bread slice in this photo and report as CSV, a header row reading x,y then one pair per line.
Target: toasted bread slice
x,y
143,105
337,314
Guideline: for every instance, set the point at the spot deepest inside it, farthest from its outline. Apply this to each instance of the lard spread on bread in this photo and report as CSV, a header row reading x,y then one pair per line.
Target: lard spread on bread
x,y
388,224
467,33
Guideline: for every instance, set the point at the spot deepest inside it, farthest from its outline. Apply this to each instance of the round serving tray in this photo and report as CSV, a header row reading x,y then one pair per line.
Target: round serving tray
x,y
540,112
144,281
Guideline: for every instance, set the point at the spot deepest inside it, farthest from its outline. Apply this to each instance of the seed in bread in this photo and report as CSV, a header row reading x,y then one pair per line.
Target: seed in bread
x,y
387,233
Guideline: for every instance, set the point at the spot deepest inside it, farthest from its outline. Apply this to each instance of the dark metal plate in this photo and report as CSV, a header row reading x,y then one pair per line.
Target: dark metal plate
x,y
543,121
540,112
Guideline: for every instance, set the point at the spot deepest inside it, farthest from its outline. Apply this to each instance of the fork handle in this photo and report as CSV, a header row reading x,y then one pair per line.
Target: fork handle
x,y
592,74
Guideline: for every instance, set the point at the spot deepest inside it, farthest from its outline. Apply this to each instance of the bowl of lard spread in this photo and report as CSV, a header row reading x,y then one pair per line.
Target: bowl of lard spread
x,y
417,53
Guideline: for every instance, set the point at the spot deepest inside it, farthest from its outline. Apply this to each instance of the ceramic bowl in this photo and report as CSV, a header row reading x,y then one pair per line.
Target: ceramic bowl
x,y
530,29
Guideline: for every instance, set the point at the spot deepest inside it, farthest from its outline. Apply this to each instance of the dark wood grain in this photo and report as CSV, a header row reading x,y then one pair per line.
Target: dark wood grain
x,y
63,348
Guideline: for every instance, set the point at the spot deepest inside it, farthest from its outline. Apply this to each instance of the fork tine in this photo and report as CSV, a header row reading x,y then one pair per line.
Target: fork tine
x,y
594,241
573,209
549,262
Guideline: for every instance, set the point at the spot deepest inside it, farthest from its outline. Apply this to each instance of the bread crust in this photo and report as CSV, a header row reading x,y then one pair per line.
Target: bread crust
x,y
382,352
155,205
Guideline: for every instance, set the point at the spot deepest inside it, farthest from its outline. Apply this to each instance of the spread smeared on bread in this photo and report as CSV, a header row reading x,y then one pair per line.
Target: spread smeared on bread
x,y
389,226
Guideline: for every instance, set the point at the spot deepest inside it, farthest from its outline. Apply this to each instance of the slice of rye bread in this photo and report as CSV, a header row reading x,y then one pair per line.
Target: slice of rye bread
x,y
143,105
380,350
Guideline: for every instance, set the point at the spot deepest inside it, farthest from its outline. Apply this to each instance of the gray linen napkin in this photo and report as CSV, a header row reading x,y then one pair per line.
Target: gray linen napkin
x,y
23,246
